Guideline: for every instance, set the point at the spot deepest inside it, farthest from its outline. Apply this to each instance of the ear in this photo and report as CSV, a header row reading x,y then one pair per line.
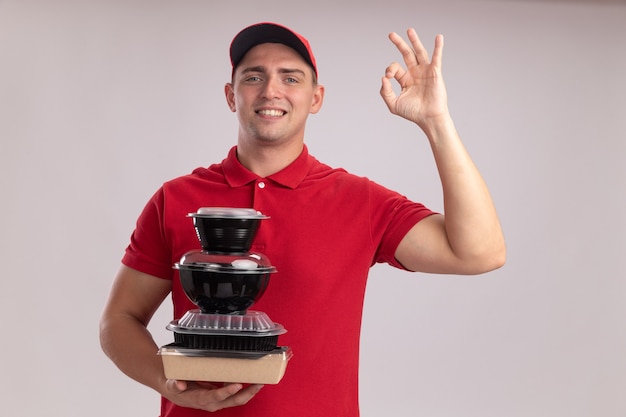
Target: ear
x,y
318,99
229,91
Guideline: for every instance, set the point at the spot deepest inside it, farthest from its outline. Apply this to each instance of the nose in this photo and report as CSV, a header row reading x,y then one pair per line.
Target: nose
x,y
271,88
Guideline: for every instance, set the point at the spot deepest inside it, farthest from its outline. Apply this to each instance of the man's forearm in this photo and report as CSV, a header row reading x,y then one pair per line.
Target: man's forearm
x,y
130,346
471,220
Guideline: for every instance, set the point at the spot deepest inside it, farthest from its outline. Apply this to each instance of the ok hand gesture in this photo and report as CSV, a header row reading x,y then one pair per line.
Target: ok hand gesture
x,y
423,95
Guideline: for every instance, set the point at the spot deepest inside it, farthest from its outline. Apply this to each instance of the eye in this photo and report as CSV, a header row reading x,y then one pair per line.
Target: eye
x,y
253,78
291,80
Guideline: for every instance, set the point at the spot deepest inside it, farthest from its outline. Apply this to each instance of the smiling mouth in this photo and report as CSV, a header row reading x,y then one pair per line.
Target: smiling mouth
x,y
271,112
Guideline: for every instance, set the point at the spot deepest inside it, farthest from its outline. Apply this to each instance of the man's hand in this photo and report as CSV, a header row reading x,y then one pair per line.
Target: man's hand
x,y
423,94
209,396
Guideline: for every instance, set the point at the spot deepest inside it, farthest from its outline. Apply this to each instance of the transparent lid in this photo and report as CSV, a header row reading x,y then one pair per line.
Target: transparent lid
x,y
252,323
228,213
240,263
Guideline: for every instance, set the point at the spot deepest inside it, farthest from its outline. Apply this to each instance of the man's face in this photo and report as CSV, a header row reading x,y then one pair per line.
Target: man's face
x,y
273,93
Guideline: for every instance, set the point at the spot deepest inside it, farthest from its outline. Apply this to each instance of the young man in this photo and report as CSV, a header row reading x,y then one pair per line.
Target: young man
x,y
326,229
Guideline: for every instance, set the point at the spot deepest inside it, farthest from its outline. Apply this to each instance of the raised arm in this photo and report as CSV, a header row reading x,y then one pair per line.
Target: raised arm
x,y
468,238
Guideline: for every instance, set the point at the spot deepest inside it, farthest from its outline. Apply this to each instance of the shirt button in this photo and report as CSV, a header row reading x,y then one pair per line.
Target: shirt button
x,y
261,184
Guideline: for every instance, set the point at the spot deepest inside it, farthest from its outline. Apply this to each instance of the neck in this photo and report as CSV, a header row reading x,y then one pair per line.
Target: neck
x,y
267,160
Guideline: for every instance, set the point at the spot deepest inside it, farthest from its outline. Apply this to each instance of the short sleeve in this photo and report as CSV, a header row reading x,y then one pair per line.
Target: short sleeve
x,y
148,250
393,215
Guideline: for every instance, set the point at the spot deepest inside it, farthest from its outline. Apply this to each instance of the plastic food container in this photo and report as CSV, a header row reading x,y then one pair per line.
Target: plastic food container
x,y
224,283
226,229
225,366
253,331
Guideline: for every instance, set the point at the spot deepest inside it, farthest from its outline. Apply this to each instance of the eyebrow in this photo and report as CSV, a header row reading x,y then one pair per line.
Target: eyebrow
x,y
281,70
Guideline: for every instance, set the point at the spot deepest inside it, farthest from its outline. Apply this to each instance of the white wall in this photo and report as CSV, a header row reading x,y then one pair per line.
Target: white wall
x,y
101,101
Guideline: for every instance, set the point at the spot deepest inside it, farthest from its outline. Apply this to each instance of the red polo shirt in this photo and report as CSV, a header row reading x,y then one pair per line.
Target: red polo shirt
x,y
326,229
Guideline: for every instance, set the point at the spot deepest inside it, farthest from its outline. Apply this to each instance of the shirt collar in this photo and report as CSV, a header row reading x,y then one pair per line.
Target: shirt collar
x,y
291,176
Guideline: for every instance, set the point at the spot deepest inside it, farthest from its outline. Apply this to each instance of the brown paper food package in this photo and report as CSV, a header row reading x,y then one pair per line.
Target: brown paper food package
x,y
266,369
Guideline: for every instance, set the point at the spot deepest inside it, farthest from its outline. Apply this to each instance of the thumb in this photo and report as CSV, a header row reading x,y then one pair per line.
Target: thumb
x,y
387,93
176,386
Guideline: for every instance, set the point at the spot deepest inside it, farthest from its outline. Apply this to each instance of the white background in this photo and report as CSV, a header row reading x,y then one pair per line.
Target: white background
x,y
102,101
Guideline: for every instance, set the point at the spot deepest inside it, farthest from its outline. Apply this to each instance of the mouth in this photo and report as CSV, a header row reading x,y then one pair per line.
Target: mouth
x,y
271,112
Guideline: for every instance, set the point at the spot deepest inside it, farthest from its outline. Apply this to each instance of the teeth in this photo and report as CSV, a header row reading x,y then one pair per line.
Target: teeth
x,y
273,113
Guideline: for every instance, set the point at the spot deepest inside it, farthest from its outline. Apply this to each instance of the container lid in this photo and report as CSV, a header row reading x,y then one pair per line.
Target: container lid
x,y
234,263
283,353
253,323
228,213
